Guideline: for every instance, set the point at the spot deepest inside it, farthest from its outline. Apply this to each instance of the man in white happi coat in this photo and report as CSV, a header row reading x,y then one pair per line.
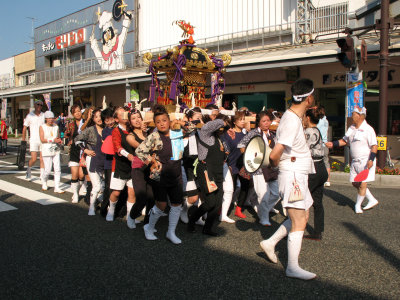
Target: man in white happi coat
x,y
293,158
361,138
34,120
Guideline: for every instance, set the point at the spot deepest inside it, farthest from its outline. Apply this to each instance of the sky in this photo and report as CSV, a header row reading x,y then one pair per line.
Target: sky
x,y
16,32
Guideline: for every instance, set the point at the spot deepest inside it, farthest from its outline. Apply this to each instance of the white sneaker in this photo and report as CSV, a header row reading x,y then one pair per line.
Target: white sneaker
x,y
173,238
44,187
130,222
28,174
227,220
149,234
269,251
92,211
75,198
371,204
59,191
358,209
327,184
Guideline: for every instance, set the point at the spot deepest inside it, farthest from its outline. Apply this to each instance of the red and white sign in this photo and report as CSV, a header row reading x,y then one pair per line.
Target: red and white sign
x,y
70,39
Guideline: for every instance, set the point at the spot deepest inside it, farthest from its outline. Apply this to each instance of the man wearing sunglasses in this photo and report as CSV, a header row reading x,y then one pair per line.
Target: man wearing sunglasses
x,y
34,120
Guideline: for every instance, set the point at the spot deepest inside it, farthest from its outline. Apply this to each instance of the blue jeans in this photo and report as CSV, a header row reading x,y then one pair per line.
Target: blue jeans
x,y
3,145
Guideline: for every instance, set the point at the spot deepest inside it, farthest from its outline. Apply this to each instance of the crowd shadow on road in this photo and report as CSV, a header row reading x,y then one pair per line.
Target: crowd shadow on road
x,y
67,254
380,250
339,198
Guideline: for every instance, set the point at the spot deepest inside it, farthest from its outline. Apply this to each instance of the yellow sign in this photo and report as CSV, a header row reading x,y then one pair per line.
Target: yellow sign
x,y
382,142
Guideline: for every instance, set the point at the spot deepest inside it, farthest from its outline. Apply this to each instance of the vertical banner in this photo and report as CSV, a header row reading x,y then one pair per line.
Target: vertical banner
x,y
355,97
4,108
47,99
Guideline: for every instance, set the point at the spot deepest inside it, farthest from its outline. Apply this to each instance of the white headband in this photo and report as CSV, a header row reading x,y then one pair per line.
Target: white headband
x,y
298,98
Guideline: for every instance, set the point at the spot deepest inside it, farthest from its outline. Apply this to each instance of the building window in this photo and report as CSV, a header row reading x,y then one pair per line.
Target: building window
x,y
55,60
73,56
76,55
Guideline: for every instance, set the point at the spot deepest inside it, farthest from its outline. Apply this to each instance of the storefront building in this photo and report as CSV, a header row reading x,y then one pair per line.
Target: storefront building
x,y
97,52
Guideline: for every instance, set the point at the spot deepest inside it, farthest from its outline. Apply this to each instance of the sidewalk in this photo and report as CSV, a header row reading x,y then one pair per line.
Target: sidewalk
x,y
384,181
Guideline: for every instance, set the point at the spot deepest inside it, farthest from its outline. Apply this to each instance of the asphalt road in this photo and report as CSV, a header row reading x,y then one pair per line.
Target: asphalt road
x,y
58,251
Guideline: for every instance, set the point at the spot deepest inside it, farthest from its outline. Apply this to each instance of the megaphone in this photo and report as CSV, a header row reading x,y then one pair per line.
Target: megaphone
x,y
256,155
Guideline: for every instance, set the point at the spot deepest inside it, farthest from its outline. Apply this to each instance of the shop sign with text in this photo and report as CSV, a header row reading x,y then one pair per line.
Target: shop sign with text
x,y
48,47
369,76
70,39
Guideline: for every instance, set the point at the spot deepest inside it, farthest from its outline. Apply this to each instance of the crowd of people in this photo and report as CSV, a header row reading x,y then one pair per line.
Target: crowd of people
x,y
190,169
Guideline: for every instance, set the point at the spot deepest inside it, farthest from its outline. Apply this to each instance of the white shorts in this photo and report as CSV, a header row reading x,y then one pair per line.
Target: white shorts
x,y
118,184
73,164
358,165
34,146
285,181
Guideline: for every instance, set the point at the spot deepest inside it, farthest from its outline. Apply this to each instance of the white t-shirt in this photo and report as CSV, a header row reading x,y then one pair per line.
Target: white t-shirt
x,y
290,133
50,133
360,140
34,122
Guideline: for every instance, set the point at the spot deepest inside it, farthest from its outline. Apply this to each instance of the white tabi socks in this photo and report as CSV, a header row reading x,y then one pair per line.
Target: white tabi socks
x,y
226,203
294,246
371,200
29,173
75,192
83,187
57,177
155,214
263,213
173,219
269,245
41,173
111,210
129,221
185,210
357,208
92,209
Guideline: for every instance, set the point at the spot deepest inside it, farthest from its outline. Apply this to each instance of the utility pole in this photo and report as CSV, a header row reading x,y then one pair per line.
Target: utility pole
x,y
383,76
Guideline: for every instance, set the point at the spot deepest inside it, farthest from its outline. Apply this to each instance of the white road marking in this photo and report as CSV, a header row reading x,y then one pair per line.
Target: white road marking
x,y
6,207
50,183
29,194
18,172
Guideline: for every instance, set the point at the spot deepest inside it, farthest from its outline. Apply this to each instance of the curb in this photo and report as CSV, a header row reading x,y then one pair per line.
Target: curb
x,y
392,181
